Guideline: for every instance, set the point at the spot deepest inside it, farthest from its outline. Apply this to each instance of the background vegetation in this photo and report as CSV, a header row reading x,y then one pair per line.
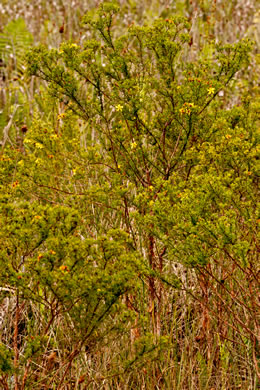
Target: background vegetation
x,y
129,185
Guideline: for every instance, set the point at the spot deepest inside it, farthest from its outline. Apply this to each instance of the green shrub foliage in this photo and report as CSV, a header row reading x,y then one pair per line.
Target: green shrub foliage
x,y
145,168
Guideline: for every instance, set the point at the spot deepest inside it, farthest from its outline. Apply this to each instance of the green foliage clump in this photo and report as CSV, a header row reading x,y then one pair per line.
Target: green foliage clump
x,y
6,355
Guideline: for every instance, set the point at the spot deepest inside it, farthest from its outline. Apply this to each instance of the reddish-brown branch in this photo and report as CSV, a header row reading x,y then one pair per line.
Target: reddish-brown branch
x,y
15,344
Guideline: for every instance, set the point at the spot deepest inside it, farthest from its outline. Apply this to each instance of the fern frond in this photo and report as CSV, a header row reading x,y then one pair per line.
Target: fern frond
x,y
15,40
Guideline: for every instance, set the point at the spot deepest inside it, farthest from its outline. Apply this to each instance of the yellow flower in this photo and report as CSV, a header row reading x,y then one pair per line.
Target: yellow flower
x,y
211,91
52,252
38,145
39,161
27,141
186,108
15,184
61,116
133,145
119,107
64,268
